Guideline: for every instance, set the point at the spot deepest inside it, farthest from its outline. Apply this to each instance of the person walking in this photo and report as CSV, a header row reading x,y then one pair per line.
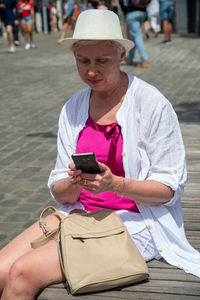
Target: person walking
x,y
153,20
135,16
68,19
54,15
9,17
26,9
166,16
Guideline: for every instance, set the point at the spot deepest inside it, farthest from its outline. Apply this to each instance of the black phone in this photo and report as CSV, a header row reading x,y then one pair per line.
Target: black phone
x,y
86,162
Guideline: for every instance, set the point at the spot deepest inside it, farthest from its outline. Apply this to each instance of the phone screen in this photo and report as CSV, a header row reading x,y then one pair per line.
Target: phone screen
x,y
86,162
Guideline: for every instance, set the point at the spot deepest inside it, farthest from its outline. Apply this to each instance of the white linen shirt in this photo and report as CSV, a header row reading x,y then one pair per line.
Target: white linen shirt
x,y
152,150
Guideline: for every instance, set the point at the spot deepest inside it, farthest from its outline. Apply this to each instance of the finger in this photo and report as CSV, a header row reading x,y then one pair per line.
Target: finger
x,y
76,179
72,166
87,184
103,167
91,177
74,173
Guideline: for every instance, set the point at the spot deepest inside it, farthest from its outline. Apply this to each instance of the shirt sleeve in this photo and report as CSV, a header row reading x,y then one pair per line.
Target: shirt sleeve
x,y
165,149
65,148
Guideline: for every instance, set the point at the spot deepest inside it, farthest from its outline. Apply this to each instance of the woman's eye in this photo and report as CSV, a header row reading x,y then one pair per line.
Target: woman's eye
x,y
102,61
83,61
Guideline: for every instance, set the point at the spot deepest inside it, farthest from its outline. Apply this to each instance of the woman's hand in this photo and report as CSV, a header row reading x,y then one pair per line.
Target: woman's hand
x,y
75,174
93,183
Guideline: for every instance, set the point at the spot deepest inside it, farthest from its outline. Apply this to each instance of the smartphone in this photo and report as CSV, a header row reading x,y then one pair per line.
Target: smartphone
x,y
86,162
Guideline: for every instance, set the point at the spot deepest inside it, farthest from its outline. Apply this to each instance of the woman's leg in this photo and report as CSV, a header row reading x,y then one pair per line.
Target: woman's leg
x,y
167,29
24,271
30,31
9,31
64,30
134,21
26,33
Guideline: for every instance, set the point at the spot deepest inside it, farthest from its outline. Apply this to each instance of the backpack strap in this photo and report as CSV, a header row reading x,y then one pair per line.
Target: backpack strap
x,y
48,233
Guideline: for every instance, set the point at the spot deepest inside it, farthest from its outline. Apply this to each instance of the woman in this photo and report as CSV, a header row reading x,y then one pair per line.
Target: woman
x,y
141,155
68,19
26,9
135,16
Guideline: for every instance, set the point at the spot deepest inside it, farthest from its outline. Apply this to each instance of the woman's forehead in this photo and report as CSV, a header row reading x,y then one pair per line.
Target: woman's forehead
x,y
100,48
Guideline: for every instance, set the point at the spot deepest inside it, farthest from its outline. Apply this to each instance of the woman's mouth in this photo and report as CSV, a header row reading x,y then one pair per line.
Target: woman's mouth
x,y
94,81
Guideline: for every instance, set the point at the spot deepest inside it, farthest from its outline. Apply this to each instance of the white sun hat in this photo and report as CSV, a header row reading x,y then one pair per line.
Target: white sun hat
x,y
97,24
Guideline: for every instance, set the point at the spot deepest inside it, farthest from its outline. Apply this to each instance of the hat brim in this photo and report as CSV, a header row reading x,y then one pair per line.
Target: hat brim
x,y
67,43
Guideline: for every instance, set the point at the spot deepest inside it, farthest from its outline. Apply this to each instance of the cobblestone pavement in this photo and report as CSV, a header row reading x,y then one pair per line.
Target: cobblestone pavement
x,y
34,86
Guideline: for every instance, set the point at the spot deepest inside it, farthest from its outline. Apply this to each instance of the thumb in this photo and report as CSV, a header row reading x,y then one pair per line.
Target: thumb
x,y
103,167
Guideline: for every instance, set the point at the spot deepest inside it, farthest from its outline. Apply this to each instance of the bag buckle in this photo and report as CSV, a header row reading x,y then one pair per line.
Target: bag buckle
x,y
44,228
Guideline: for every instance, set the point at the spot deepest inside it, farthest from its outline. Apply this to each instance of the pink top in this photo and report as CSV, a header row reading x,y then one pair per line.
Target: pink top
x,y
107,144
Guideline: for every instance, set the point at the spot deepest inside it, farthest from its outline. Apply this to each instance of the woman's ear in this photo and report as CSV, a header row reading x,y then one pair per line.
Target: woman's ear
x,y
123,55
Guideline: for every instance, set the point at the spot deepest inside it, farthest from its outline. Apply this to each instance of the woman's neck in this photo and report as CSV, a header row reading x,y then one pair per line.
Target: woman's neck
x,y
114,94
104,106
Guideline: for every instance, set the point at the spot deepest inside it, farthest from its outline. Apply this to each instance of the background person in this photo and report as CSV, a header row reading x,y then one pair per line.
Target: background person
x,y
9,17
54,17
153,20
135,17
135,125
26,10
101,5
166,17
16,28
68,19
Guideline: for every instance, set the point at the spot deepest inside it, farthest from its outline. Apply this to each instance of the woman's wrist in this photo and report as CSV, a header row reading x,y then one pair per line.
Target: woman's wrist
x,y
119,185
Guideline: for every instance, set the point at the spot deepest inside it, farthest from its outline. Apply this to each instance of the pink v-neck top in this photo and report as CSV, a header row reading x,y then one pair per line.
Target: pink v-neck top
x,y
107,144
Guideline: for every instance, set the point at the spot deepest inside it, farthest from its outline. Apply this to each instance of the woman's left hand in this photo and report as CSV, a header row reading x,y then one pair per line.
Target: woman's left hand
x,y
95,183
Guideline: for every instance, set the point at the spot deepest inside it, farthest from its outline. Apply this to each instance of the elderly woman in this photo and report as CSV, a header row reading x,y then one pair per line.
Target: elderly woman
x,y
140,152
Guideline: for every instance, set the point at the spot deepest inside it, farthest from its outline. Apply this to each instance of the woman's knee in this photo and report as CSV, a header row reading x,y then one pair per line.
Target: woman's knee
x,y
19,280
9,29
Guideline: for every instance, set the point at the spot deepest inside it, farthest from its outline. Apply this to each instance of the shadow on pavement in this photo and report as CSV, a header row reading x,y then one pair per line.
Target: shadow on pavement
x,y
188,112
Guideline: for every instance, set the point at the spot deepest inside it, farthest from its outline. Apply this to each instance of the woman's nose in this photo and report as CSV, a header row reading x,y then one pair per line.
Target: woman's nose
x,y
92,71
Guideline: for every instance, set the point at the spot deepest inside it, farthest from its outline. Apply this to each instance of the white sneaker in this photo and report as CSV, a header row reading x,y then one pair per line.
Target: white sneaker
x,y
28,46
33,45
17,43
12,49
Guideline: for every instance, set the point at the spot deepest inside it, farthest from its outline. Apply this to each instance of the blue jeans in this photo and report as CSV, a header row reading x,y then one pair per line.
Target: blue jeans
x,y
27,20
134,20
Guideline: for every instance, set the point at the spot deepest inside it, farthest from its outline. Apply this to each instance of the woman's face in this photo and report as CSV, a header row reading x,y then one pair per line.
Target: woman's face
x,y
99,65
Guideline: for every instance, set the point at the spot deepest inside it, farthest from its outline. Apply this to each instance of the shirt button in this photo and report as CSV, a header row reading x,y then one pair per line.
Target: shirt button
x,y
123,153
149,226
160,250
175,171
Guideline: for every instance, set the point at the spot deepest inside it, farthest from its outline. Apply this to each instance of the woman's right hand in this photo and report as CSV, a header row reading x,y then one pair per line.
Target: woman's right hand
x,y
75,174
67,190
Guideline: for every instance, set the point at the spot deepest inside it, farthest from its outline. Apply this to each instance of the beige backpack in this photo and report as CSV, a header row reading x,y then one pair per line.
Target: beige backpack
x,y
96,250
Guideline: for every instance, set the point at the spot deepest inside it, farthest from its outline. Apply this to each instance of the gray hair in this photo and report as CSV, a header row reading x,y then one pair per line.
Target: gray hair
x,y
119,47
